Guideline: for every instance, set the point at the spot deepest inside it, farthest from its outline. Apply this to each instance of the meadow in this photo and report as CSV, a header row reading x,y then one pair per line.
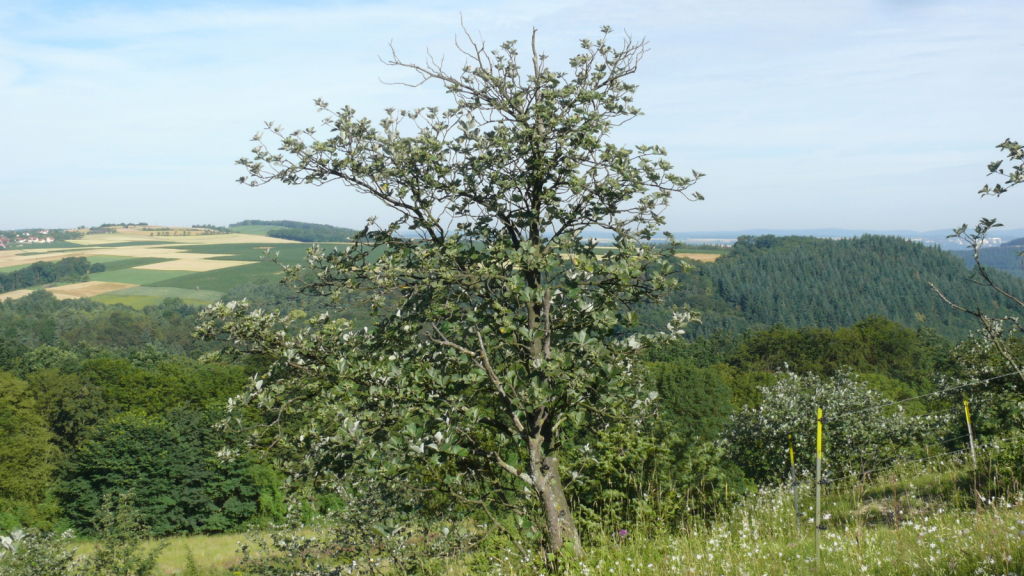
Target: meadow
x,y
915,519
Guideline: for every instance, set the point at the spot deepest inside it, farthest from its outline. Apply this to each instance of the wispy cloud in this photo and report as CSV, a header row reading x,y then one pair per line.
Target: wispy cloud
x,y
857,114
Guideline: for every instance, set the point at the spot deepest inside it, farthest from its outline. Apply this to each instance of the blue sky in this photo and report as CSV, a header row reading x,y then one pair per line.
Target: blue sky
x,y
876,114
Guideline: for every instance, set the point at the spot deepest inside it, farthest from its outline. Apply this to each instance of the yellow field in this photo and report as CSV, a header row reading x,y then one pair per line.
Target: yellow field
x,y
139,235
698,257
14,295
83,290
170,247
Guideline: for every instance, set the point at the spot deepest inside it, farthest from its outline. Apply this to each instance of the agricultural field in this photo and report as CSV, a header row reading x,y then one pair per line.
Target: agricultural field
x,y
142,268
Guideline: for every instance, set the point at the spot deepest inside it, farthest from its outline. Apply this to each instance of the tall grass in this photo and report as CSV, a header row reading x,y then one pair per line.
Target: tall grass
x,y
915,520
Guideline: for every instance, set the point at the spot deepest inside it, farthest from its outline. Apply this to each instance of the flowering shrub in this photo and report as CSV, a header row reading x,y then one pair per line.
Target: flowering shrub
x,y
859,435
34,553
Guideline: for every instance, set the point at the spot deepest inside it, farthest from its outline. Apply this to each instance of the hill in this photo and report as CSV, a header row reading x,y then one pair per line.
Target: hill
x,y
292,230
800,281
1003,258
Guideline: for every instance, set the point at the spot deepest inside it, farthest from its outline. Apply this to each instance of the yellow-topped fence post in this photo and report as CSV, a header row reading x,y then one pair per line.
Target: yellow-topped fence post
x,y
970,433
792,476
817,499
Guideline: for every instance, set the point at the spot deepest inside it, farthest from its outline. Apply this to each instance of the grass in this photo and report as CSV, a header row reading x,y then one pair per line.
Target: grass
x,y
918,521
224,279
141,296
140,302
125,262
215,554
286,253
106,260
136,276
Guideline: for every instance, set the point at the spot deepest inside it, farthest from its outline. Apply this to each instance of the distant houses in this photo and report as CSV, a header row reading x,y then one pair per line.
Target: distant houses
x,y
21,238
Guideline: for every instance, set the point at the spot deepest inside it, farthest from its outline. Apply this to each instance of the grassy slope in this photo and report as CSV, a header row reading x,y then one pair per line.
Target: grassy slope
x,y
939,530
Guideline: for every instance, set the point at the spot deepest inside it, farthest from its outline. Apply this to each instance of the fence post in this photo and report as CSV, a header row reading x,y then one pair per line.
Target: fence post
x,y
792,477
970,433
817,502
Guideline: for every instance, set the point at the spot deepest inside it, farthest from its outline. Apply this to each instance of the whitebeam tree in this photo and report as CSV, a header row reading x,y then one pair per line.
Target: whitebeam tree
x,y
499,326
1003,333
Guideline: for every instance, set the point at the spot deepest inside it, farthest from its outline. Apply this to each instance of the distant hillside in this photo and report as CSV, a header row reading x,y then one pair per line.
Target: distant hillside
x,y
298,231
1018,243
1004,258
801,281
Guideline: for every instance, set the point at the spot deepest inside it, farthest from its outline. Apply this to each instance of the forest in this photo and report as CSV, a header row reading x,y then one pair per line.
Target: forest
x,y
802,281
300,231
102,400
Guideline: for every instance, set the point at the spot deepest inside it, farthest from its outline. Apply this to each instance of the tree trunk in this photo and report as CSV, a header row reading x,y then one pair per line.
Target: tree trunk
x,y
548,484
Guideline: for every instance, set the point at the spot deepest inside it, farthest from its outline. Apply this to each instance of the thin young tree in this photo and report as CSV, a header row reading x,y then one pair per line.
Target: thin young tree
x,y
1002,333
500,326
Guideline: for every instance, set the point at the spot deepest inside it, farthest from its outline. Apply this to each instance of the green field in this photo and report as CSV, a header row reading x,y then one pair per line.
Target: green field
x,y
123,262
136,276
141,296
286,253
224,279
13,268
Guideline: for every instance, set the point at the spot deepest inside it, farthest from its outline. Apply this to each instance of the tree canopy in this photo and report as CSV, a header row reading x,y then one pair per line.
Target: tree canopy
x,y
499,326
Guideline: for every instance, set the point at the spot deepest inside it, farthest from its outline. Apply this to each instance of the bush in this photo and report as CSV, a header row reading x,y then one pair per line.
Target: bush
x,y
97,268
35,553
758,439
119,551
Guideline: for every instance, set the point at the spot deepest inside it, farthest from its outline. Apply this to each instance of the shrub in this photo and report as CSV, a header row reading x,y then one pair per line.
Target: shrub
x,y
119,551
758,439
35,553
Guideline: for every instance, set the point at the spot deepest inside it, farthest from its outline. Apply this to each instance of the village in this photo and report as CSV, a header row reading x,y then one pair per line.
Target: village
x,y
22,238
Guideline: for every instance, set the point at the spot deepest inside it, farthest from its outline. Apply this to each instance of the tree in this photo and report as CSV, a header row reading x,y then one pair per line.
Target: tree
x,y
1000,332
26,454
169,465
500,327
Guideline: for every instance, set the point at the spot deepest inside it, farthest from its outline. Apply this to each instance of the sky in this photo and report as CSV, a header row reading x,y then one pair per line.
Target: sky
x,y
874,114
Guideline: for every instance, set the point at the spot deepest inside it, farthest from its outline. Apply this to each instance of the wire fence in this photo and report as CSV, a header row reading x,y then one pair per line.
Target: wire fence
x,y
864,475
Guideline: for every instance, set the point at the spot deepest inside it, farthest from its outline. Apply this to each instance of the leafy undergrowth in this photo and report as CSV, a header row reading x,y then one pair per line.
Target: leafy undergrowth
x,y
939,519
919,521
